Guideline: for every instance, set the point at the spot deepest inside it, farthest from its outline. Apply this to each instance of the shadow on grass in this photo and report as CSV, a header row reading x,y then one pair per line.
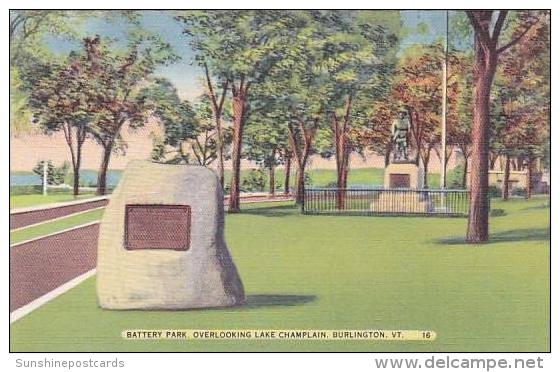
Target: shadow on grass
x,y
269,300
251,302
520,235
540,206
274,211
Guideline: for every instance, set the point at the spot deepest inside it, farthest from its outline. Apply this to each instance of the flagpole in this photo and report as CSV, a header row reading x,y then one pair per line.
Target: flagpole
x,y
444,105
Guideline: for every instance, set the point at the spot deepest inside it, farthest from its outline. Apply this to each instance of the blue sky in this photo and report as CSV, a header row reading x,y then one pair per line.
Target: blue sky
x,y
185,76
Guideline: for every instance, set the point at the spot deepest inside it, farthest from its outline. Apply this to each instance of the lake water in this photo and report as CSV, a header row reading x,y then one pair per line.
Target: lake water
x,y
88,176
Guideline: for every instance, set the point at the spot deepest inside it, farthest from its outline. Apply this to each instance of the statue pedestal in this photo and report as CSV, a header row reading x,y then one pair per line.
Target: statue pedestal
x,y
399,195
403,175
402,203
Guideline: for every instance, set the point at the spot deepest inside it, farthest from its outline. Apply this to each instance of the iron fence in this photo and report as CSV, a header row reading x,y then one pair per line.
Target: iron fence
x,y
386,202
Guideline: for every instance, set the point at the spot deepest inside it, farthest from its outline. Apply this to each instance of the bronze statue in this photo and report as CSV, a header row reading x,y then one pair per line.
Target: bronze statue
x,y
400,128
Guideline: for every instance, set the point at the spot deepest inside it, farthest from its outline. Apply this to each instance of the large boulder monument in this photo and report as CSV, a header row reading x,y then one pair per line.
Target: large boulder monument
x,y
161,242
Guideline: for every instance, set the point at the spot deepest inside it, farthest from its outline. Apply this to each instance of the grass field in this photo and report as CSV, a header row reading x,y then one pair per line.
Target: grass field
x,y
22,201
54,226
319,178
360,176
332,272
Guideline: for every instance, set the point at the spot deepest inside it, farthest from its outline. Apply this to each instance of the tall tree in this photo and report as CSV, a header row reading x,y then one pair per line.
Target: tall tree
x,y
377,135
217,96
212,138
360,52
286,156
28,55
460,115
294,96
239,47
417,87
522,102
487,29
28,27
264,143
119,78
189,131
61,101
29,52
178,118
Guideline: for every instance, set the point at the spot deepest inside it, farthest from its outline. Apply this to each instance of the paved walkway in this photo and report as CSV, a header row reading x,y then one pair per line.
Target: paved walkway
x,y
22,219
42,265
37,215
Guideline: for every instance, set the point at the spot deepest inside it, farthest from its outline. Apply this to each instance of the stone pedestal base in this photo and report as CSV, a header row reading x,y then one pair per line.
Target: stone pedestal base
x,y
395,202
400,195
403,176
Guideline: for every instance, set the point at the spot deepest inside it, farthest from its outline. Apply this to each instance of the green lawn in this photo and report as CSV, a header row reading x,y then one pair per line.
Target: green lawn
x,y
319,178
22,201
51,227
360,176
333,272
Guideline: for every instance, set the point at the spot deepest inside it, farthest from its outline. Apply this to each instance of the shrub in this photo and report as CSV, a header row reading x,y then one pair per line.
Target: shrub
x,y
497,212
307,181
255,180
494,191
25,189
455,177
86,183
519,191
55,175
278,185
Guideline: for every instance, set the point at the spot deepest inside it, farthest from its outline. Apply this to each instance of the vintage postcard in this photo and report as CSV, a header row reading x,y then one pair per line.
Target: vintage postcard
x,y
279,180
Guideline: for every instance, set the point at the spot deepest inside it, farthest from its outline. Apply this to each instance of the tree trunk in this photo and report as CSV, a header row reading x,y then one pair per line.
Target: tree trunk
x,y
287,171
529,177
342,178
519,163
425,164
340,131
300,193
76,170
301,153
465,172
505,184
487,35
484,69
300,179
220,167
217,108
343,185
493,159
300,187
76,186
102,174
271,180
238,118
388,155
75,156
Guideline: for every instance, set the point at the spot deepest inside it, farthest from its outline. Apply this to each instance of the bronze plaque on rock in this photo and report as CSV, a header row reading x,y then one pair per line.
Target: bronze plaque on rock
x,y
157,226
399,181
